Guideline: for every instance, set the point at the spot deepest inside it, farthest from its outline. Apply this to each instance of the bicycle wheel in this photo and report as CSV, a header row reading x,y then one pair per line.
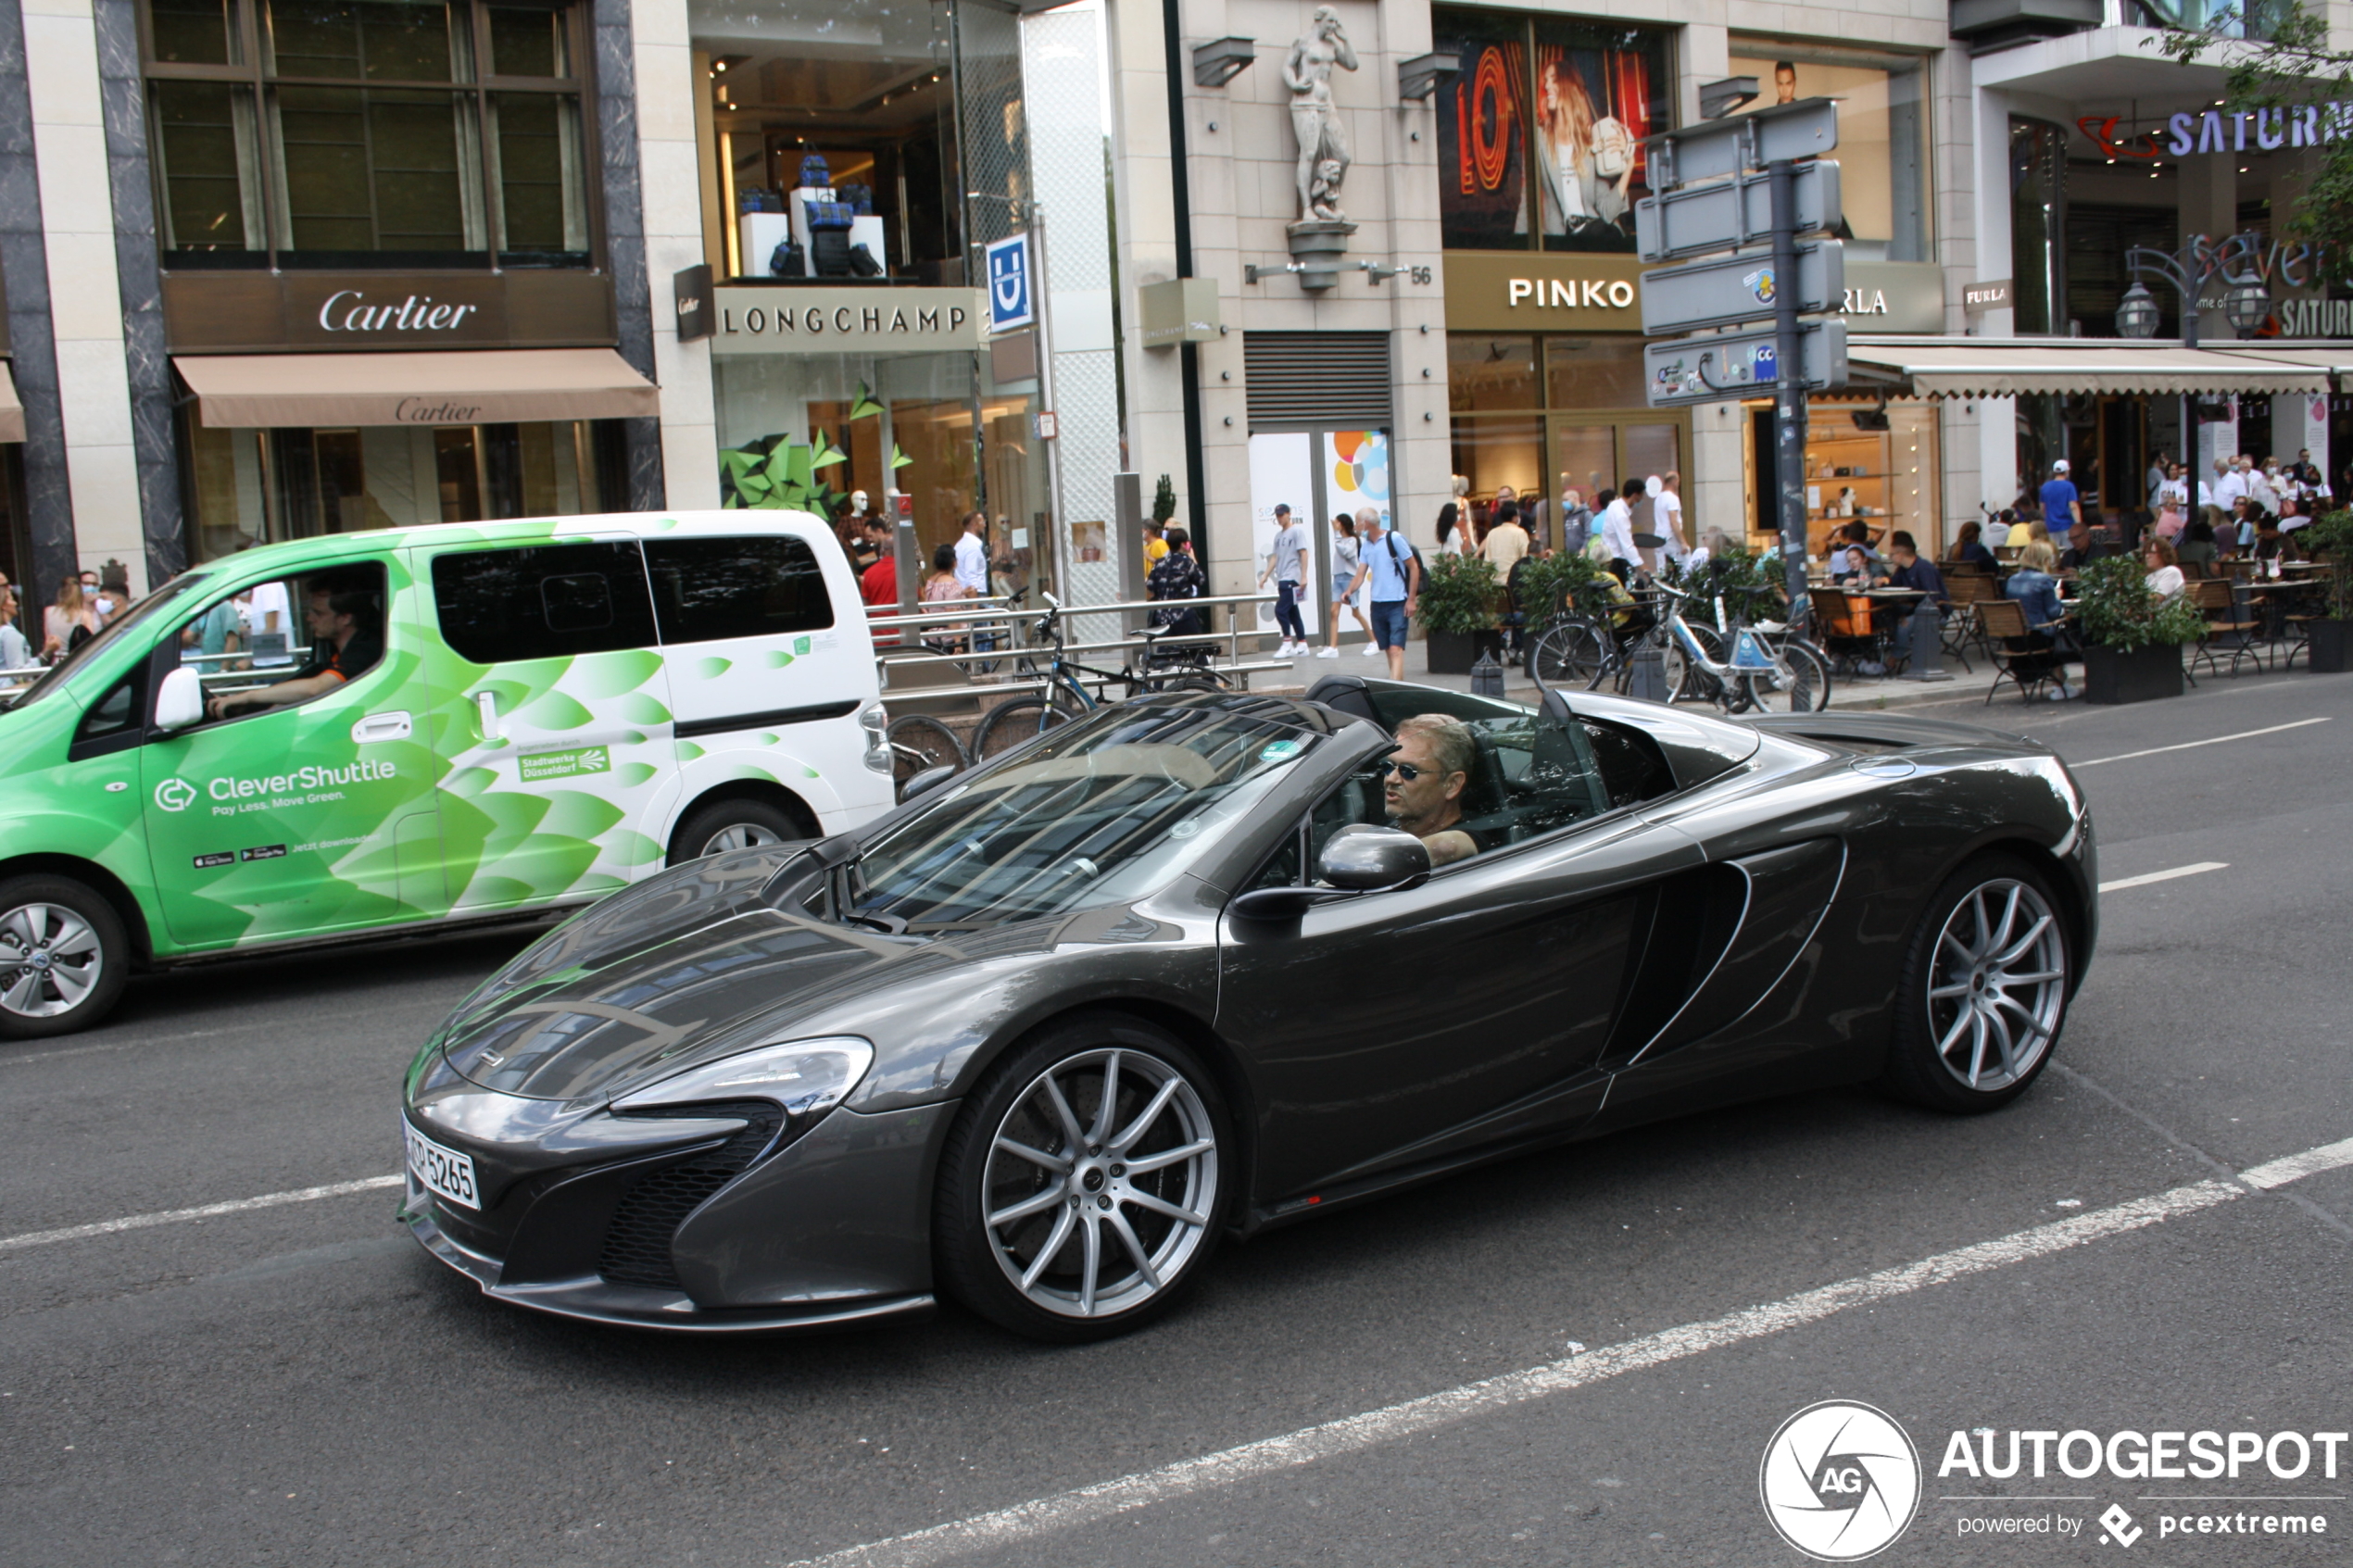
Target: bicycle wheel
x,y
919,744
1571,653
1015,724
1686,681
1804,688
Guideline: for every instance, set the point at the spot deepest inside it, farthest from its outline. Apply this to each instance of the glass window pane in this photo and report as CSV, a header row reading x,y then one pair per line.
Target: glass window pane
x,y
1482,120
1491,372
1594,373
528,41
379,40
540,201
1493,452
193,32
1653,449
204,148
1882,152
711,589
376,172
546,602
1585,459
1599,91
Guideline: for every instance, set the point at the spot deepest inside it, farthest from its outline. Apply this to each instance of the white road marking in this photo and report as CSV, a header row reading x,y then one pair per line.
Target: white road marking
x,y
2194,745
2122,883
1026,1521
201,1211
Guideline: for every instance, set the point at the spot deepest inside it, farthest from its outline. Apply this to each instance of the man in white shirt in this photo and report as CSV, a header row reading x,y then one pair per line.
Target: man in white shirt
x,y
2229,489
269,613
971,554
1617,528
1287,564
1667,511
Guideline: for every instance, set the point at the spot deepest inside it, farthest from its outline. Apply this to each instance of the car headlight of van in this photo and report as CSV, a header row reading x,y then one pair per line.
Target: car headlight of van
x,y
875,721
806,1077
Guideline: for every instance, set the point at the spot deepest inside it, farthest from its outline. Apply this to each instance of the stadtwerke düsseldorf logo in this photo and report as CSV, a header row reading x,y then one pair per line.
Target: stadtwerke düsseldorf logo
x,y
1840,1481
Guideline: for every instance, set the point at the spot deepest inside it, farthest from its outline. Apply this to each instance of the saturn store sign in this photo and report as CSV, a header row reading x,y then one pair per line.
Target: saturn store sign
x,y
846,320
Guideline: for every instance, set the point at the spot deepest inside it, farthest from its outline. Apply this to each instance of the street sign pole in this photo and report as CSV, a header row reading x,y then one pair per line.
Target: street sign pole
x,y
1789,395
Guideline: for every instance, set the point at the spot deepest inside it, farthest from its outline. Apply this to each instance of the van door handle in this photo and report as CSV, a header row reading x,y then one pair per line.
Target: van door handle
x,y
486,703
381,727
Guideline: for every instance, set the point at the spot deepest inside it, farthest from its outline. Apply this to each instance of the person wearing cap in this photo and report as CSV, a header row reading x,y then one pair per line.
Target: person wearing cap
x,y
2062,509
1286,563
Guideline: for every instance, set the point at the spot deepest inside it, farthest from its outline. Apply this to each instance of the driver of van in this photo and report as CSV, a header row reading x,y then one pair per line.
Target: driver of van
x,y
347,639
1423,781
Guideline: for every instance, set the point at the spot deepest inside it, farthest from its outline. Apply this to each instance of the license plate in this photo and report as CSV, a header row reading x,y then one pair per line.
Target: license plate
x,y
443,1172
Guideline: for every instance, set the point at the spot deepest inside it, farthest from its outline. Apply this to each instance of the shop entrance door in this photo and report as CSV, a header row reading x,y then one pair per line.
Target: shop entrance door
x,y
1317,474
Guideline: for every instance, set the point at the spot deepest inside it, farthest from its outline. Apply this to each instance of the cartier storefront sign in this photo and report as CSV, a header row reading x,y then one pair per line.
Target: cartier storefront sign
x,y
789,320
259,312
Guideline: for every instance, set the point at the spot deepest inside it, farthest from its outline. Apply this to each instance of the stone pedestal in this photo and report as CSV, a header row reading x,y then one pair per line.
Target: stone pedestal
x,y
1317,245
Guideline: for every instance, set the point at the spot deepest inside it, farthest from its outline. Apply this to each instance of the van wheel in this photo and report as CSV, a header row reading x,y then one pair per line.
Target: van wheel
x,y
739,823
64,958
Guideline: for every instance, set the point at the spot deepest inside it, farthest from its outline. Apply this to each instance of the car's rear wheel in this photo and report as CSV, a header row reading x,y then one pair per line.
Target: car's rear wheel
x,y
1985,989
739,823
1084,1185
64,957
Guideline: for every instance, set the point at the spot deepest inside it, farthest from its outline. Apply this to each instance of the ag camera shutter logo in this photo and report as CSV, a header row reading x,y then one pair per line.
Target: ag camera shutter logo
x,y
175,795
1840,1481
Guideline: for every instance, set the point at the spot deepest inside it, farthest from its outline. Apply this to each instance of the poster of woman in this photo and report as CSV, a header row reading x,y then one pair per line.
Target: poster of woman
x,y
1585,158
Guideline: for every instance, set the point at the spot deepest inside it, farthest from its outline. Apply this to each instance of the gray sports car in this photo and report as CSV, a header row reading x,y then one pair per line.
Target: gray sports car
x,y
1206,963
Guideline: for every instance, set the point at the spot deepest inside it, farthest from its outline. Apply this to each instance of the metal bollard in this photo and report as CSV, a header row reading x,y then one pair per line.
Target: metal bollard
x,y
1487,677
1928,644
1646,680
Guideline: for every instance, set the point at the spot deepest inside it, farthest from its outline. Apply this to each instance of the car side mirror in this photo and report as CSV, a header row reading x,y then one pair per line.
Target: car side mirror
x,y
179,701
1361,857
926,780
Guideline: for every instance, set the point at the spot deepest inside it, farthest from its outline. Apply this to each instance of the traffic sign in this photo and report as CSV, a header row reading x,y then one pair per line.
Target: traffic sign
x,y
1708,369
1010,305
1717,147
1726,214
1724,290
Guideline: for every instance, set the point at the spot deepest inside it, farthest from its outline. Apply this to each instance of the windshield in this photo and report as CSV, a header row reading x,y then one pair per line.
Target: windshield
x,y
1107,813
116,630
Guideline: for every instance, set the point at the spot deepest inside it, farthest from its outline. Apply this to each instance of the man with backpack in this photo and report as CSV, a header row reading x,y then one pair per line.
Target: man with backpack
x,y
1394,569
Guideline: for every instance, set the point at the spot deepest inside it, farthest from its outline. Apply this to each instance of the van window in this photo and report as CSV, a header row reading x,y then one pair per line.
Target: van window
x,y
272,643
543,601
711,589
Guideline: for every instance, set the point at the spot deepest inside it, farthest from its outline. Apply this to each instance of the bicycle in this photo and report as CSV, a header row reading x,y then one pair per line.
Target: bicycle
x,y
1767,671
1022,719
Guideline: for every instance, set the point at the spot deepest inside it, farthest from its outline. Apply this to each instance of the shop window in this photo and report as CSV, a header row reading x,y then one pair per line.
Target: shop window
x,y
1540,131
367,132
1489,371
1594,373
2038,217
1882,137
545,601
708,590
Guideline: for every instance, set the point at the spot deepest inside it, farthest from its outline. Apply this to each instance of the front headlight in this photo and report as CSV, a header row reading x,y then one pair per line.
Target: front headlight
x,y
806,1077
875,721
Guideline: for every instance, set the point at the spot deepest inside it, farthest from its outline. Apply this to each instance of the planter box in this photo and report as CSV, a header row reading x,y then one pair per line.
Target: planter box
x,y
2143,675
1453,653
2330,650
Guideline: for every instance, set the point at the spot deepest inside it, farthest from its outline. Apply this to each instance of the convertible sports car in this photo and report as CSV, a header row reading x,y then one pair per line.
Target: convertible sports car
x,y
1044,1034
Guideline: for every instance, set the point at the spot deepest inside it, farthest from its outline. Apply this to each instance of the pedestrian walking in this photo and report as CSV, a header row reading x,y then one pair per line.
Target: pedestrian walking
x,y
1346,558
1393,572
1286,563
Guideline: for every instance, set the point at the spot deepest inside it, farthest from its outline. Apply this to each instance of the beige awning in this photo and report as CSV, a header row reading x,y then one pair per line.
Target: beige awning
x,y
1949,366
486,386
11,408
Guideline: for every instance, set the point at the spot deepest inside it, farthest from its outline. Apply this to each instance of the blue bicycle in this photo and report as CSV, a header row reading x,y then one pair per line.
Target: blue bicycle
x,y
1179,666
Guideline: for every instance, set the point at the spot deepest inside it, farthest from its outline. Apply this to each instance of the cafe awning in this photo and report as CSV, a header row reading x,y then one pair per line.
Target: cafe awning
x,y
484,387
1966,367
11,410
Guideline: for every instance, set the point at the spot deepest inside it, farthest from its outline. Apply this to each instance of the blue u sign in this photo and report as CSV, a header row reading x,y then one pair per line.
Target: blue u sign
x,y
1009,300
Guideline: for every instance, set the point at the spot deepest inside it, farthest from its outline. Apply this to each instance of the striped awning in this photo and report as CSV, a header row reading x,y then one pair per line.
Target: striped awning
x,y
1968,366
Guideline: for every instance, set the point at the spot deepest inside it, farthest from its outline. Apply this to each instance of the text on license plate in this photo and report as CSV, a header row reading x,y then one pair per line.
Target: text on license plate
x,y
443,1172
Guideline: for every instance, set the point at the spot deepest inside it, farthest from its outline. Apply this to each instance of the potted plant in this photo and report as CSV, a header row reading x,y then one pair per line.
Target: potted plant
x,y
2133,637
2331,533
1458,604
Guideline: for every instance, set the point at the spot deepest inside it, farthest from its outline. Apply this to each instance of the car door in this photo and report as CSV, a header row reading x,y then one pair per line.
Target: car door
x,y
299,819
1398,1028
551,707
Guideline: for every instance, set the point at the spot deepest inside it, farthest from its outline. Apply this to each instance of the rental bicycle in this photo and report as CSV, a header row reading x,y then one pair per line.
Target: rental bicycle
x,y
1180,665
1766,670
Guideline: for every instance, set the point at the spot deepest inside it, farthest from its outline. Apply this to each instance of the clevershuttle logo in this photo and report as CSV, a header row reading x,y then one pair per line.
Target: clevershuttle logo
x,y
1840,1481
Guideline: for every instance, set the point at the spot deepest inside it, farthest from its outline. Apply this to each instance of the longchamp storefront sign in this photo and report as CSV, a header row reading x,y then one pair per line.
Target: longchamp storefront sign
x,y
845,320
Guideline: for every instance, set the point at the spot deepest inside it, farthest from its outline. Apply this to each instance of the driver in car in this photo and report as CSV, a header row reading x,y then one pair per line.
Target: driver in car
x,y
1423,781
347,639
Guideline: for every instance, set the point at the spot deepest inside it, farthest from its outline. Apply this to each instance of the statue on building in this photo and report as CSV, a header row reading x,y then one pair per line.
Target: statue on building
x,y
1315,119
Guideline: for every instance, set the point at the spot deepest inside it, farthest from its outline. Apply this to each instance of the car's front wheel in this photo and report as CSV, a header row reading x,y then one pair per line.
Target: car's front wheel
x,y
64,957
1984,990
1085,1180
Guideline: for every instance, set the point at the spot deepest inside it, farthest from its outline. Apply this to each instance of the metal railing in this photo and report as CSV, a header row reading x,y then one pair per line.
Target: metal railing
x,y
999,668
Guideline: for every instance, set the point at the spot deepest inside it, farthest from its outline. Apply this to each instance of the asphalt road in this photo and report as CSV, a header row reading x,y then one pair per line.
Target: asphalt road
x,y
299,1384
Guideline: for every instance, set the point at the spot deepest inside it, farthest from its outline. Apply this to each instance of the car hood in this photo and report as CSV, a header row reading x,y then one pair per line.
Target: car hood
x,y
1874,731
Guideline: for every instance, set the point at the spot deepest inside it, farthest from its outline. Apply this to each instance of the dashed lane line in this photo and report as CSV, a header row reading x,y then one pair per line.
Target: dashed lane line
x,y
2203,866
201,1211
1026,1523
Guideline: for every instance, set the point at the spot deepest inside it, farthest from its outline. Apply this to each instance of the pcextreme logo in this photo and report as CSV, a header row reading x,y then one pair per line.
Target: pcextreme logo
x,y
1840,1481
175,795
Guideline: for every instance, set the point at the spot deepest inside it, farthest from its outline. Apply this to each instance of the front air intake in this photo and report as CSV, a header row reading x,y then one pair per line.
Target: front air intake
x,y
636,1249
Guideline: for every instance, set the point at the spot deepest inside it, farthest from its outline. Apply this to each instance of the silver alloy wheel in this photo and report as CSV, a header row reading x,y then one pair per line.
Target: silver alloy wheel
x,y
1997,985
739,835
1100,1183
50,959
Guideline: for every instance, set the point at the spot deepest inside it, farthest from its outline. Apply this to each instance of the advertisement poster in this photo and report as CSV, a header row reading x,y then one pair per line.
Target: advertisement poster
x,y
1282,472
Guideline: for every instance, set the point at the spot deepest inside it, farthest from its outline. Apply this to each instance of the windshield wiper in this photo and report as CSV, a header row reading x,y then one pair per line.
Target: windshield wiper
x,y
895,925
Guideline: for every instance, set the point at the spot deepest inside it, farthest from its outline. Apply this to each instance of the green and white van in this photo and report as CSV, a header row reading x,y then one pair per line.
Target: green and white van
x,y
552,709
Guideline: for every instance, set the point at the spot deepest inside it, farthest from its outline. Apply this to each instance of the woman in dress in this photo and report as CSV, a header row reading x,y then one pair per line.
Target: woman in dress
x,y
1345,560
